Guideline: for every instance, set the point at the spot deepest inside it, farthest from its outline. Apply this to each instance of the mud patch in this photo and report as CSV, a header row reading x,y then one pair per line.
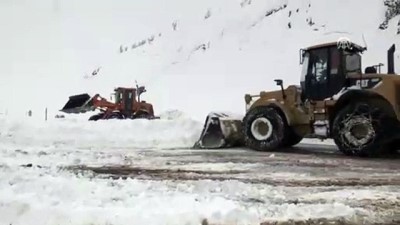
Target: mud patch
x,y
124,172
324,221
118,172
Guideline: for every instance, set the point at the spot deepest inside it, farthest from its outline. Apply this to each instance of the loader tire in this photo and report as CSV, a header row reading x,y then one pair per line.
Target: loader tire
x,y
96,117
291,138
142,115
393,147
359,129
116,115
264,129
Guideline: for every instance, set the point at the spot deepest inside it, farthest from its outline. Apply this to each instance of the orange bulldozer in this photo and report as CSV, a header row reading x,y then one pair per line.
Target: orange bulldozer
x,y
127,105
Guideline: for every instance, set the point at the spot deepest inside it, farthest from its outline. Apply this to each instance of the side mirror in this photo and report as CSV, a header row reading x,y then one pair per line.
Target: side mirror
x,y
279,82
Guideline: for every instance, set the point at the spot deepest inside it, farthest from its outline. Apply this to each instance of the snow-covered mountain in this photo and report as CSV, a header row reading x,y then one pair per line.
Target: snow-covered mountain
x,y
194,56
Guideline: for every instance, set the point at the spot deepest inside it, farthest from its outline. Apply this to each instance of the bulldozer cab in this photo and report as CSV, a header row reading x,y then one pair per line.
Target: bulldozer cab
x,y
126,97
325,69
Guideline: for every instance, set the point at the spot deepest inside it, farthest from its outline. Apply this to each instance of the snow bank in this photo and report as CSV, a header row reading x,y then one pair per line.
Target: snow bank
x,y
173,130
46,197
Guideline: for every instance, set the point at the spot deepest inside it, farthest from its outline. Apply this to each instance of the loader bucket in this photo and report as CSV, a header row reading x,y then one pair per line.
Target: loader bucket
x,y
220,130
78,104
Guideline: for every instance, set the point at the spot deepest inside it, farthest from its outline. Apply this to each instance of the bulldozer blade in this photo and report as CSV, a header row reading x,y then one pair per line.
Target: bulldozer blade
x,y
220,130
78,104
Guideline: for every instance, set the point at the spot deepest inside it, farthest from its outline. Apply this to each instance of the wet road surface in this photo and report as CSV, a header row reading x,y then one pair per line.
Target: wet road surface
x,y
316,166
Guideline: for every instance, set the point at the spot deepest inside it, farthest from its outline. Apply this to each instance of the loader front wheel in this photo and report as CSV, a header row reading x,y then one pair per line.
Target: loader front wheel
x,y
96,117
264,129
116,115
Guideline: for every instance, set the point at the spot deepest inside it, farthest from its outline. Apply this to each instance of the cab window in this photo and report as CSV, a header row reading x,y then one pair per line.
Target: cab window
x,y
353,62
319,67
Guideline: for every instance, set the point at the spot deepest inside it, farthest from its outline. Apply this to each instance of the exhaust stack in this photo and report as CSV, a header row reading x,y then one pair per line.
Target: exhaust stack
x,y
390,59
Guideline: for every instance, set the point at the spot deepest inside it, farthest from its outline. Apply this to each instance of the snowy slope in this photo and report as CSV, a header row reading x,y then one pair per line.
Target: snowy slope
x,y
49,49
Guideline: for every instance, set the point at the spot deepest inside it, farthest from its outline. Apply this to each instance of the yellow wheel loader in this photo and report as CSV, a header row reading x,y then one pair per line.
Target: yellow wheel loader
x,y
335,100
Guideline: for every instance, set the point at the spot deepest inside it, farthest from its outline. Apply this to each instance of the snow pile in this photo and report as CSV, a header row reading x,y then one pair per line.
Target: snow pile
x,y
46,196
173,130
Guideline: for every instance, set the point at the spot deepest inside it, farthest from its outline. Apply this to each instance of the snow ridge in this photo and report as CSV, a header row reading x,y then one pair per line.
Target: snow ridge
x,y
173,130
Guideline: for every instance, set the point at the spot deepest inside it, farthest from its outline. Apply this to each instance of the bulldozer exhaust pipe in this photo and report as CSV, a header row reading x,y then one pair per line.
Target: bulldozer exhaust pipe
x,y
220,130
390,59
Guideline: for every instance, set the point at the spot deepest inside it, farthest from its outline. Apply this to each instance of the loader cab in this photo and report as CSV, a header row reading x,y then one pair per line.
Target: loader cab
x,y
325,68
125,97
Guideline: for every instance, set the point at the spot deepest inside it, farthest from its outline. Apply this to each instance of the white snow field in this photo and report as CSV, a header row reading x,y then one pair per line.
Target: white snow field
x,y
194,57
36,186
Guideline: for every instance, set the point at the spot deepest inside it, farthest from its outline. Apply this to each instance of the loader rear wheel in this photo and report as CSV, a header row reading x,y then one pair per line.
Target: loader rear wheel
x,y
142,115
264,129
393,147
359,129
